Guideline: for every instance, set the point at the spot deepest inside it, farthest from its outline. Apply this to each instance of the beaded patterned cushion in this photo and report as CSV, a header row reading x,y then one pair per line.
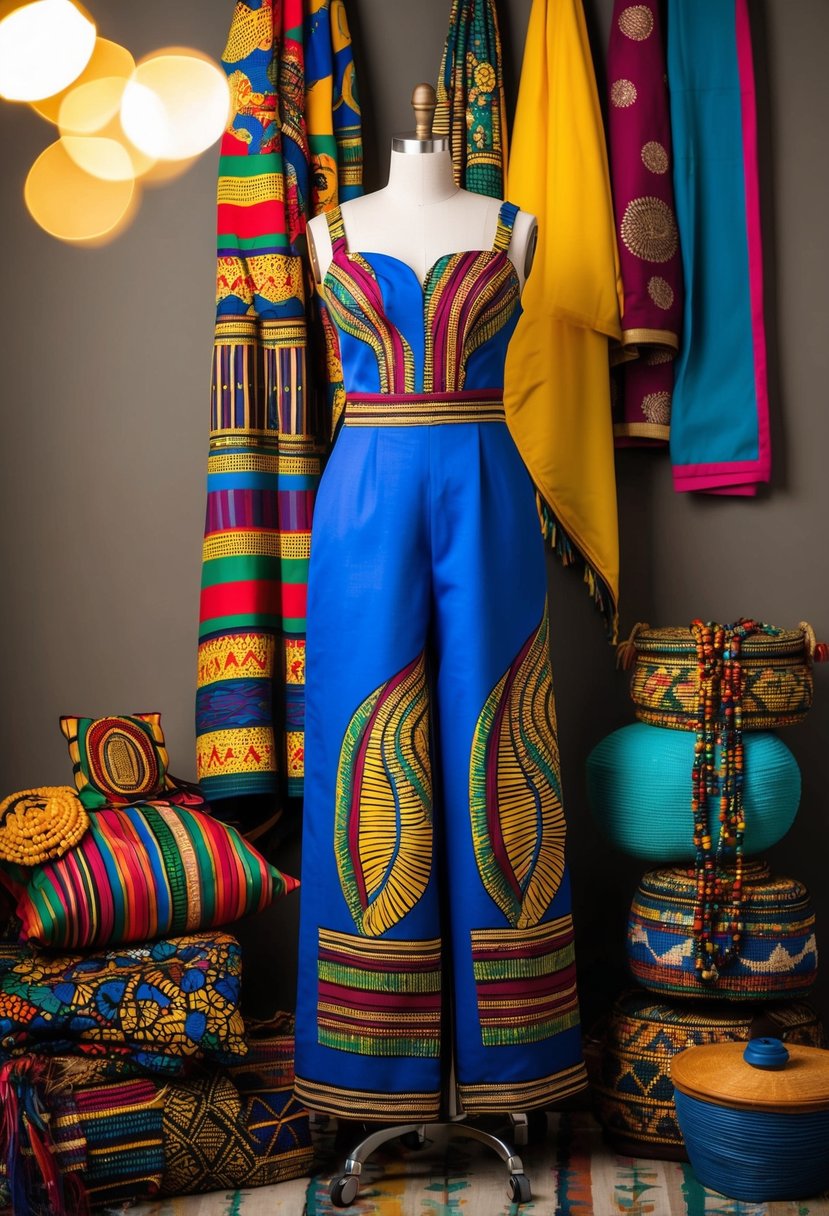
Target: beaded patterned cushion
x,y
630,1068
777,956
639,784
117,760
777,683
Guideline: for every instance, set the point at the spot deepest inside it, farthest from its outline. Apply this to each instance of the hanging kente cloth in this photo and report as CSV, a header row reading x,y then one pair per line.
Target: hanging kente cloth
x,y
557,391
292,148
471,107
720,439
641,164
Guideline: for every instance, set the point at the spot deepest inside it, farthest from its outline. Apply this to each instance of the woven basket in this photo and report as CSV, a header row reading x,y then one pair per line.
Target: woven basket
x,y
756,1119
639,789
778,952
630,1072
777,684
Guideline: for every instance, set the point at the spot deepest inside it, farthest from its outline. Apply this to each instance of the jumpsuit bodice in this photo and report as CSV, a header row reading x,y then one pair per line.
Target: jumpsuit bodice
x,y
447,334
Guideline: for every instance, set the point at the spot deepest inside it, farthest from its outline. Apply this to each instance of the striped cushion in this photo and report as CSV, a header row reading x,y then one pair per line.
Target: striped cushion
x,y
143,872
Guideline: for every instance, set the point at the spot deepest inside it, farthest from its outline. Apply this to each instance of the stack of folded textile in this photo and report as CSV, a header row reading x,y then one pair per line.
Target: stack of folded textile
x,y
725,949
126,1068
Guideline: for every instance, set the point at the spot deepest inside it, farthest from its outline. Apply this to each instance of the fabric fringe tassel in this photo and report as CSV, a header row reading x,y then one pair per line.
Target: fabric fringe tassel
x,y
570,555
27,1151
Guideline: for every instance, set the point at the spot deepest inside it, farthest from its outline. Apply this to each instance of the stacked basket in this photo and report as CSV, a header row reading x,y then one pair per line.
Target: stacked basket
x,y
724,949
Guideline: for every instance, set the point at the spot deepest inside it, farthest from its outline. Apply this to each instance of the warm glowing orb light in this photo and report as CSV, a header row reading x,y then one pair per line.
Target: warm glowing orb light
x,y
109,59
89,120
44,46
176,105
71,204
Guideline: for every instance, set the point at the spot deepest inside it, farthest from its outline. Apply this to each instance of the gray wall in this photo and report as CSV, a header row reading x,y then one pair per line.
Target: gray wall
x,y
106,357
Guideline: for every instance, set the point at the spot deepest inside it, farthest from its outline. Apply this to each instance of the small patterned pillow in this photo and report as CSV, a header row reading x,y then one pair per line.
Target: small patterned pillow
x,y
118,760
142,872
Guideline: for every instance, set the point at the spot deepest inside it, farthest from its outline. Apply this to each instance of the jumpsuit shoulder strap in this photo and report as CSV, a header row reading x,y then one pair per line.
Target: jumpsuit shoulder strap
x,y
336,228
503,233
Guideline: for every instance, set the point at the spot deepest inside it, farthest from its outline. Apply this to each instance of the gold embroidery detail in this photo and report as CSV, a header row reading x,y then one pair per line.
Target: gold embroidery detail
x,y
655,156
655,357
636,22
649,230
657,408
623,94
660,291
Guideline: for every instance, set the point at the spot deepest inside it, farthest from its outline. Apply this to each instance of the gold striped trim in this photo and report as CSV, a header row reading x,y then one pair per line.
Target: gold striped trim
x,y
247,191
651,337
643,430
502,939
267,440
398,1018
564,997
368,1104
243,462
427,950
253,462
436,412
251,330
240,542
523,1095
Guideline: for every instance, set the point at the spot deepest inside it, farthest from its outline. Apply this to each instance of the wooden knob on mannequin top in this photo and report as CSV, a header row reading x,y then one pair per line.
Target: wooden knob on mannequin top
x,y
424,104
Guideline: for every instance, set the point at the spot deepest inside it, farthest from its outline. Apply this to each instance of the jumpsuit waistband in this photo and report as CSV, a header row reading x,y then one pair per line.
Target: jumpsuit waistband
x,y
424,409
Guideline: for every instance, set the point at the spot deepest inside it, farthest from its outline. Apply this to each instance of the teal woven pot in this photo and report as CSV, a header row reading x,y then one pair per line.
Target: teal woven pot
x,y
639,789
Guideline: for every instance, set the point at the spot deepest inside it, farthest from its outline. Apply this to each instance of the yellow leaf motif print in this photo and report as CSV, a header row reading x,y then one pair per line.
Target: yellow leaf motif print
x,y
383,825
514,789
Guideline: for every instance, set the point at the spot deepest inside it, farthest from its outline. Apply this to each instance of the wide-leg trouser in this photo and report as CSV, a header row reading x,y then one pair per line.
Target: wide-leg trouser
x,y
433,845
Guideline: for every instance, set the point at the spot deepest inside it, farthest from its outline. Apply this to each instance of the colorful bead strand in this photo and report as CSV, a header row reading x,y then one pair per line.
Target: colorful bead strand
x,y
719,894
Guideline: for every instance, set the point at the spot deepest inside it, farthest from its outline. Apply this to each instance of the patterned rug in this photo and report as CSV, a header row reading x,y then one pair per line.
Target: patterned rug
x,y
573,1173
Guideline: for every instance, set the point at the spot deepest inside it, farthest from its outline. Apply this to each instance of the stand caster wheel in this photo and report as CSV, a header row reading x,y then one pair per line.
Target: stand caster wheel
x,y
343,1190
518,1188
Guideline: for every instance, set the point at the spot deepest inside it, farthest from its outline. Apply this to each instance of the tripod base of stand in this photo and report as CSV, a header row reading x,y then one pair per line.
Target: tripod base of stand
x,y
345,1187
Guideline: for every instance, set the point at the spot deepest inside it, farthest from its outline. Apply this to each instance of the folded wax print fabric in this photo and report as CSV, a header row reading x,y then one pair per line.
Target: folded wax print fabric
x,y
557,388
292,148
471,105
142,872
156,1005
641,165
720,438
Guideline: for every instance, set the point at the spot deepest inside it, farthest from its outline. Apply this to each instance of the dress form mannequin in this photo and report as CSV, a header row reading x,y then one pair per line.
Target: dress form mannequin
x,y
417,218
421,214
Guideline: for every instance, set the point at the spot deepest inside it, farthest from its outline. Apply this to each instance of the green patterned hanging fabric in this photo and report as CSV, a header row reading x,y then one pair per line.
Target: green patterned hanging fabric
x,y
471,109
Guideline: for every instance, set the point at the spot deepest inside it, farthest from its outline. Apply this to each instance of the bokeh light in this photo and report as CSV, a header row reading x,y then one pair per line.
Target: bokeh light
x,y
109,59
44,46
71,204
176,105
90,122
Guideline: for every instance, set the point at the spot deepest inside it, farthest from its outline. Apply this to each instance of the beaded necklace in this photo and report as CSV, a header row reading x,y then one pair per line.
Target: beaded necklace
x,y
719,888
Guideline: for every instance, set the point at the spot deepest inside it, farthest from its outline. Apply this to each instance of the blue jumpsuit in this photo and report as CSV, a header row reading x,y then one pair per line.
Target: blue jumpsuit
x,y
435,900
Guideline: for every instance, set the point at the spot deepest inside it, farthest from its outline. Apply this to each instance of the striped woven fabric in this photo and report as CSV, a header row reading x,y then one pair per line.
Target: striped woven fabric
x,y
778,949
269,1063
291,149
143,872
629,1063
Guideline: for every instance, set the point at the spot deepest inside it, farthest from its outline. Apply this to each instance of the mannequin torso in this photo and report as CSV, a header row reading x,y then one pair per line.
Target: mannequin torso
x,y
420,216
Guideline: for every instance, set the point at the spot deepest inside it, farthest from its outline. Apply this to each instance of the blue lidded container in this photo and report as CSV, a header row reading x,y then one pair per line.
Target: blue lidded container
x,y
755,1118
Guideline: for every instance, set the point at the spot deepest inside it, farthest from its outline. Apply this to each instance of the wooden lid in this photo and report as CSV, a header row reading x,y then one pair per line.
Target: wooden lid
x,y
764,1074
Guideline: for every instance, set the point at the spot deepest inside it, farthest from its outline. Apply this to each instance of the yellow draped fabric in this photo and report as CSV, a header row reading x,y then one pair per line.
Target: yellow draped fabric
x,y
557,389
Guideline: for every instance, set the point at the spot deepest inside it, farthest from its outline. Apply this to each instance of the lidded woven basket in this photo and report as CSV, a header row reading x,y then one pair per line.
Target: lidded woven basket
x,y
777,959
755,1119
777,677
631,1057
